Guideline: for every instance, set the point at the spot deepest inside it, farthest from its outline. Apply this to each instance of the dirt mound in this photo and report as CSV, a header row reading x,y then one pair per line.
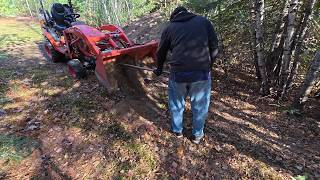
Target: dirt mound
x,y
146,28
140,31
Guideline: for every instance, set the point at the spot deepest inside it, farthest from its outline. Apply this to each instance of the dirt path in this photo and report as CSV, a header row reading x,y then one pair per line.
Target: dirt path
x,y
52,127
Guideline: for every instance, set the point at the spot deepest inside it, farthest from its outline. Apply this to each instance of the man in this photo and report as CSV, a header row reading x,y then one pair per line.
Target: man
x,y
194,46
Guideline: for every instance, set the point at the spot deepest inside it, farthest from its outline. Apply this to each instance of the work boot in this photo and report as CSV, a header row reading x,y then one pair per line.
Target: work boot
x,y
197,140
178,135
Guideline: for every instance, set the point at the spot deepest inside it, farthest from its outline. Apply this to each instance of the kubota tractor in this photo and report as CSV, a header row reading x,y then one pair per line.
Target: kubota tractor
x,y
84,47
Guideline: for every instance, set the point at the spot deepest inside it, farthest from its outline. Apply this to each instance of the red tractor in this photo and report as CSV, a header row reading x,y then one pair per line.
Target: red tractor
x,y
84,47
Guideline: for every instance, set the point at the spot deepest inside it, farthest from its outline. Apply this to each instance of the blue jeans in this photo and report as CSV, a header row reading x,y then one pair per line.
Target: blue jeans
x,y
199,93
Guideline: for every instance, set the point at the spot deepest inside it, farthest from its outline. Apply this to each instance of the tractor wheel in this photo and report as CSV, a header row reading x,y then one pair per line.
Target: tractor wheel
x,y
52,54
76,69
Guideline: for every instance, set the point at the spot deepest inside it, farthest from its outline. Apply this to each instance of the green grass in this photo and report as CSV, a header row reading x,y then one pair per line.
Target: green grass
x,y
77,107
14,148
140,163
144,154
65,81
81,104
16,88
39,76
17,34
261,170
119,132
3,55
301,177
4,74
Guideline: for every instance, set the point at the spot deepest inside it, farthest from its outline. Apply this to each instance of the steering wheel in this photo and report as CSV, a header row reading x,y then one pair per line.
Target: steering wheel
x,y
72,15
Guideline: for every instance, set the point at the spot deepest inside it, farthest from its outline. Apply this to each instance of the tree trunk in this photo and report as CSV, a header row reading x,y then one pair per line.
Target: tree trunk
x,y
309,82
259,5
278,55
302,33
277,36
253,43
287,47
36,6
116,10
30,11
316,24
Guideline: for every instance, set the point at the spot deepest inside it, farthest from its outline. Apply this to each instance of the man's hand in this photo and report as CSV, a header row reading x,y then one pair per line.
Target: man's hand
x,y
157,72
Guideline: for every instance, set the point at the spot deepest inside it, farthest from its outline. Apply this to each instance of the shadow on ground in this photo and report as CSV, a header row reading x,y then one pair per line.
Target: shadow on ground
x,y
81,131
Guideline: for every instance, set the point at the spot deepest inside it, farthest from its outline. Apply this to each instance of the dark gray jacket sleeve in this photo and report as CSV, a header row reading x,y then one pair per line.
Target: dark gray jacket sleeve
x,y
213,41
163,48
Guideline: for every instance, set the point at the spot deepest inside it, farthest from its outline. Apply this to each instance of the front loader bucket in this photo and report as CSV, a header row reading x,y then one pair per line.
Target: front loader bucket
x,y
105,64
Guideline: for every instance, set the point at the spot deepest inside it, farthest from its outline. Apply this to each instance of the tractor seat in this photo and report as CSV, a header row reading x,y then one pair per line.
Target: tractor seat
x,y
58,12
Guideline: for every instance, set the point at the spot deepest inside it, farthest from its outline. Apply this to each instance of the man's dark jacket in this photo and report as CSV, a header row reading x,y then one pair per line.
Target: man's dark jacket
x,y
192,40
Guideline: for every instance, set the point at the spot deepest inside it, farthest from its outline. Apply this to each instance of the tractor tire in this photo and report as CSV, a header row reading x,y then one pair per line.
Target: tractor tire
x,y
76,69
52,54
58,57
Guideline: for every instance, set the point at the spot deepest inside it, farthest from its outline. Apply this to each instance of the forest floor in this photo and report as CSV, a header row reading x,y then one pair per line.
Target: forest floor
x,y
53,127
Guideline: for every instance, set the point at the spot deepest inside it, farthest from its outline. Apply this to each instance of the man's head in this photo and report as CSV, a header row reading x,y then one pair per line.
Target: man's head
x,y
177,11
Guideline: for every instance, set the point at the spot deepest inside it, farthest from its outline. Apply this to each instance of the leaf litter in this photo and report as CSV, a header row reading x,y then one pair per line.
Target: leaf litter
x,y
85,132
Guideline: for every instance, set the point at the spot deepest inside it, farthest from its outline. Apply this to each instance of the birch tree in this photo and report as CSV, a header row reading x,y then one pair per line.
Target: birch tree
x,y
309,82
286,57
30,11
277,37
253,40
259,7
301,36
